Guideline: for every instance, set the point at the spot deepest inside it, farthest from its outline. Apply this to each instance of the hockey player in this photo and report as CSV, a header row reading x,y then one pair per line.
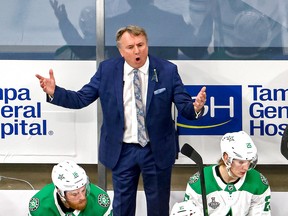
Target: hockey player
x,y
233,186
70,194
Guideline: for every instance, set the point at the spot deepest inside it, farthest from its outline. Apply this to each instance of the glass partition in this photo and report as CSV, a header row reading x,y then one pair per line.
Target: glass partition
x,y
48,29
164,21
242,29
204,29
177,29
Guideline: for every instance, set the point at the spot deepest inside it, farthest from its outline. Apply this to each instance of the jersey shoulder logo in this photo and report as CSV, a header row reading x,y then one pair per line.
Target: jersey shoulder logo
x,y
264,179
104,200
194,178
34,204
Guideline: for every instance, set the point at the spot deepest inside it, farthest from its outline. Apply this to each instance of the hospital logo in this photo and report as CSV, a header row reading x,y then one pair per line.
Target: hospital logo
x,y
223,111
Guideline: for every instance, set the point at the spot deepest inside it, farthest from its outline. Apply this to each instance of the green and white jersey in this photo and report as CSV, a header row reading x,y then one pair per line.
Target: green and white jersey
x,y
45,203
248,196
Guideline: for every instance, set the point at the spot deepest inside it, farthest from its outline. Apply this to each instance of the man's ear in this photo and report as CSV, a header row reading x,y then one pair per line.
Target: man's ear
x,y
225,157
120,53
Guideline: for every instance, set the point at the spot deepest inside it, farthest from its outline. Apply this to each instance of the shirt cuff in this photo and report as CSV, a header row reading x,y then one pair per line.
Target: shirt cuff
x,y
199,114
50,98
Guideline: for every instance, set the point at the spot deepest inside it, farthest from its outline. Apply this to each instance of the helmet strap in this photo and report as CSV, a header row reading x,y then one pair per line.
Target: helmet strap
x,y
230,173
61,195
228,167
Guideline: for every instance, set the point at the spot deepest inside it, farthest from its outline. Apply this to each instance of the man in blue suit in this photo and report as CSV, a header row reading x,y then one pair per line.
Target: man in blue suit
x,y
119,147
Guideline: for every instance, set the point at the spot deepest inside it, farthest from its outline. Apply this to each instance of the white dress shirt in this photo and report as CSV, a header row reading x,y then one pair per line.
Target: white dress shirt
x,y
130,118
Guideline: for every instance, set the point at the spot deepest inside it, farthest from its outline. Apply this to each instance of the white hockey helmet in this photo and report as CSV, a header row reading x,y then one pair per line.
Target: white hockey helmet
x,y
239,145
68,176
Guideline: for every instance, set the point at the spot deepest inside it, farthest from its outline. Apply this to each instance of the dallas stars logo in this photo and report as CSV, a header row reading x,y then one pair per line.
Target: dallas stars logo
x,y
103,200
33,204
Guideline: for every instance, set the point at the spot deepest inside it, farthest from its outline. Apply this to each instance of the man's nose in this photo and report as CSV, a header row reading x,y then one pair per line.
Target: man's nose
x,y
136,50
82,195
246,166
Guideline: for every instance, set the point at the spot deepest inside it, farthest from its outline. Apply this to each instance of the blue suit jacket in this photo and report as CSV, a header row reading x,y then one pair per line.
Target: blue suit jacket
x,y
163,90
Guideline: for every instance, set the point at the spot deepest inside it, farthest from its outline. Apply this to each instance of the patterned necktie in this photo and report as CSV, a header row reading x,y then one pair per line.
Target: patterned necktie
x,y
142,137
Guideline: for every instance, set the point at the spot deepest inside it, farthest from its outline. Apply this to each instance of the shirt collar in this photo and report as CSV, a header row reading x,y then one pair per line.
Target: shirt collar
x,y
143,69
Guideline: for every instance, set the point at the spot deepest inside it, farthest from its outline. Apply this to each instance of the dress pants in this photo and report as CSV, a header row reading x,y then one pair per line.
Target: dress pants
x,y
135,160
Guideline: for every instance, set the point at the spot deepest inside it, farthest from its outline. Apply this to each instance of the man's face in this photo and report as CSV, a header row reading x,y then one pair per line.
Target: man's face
x,y
76,199
134,49
240,167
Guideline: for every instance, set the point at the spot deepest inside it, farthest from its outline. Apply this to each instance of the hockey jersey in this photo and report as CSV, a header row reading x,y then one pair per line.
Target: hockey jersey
x,y
45,203
250,195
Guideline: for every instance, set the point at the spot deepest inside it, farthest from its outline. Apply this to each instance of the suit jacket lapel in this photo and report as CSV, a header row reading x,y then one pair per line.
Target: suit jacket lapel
x,y
118,84
151,83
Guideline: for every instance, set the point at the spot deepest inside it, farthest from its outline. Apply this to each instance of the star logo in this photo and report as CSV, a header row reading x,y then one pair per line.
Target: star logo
x,y
230,138
61,177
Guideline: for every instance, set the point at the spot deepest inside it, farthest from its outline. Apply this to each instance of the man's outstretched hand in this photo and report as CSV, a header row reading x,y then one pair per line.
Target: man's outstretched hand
x,y
200,100
47,84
